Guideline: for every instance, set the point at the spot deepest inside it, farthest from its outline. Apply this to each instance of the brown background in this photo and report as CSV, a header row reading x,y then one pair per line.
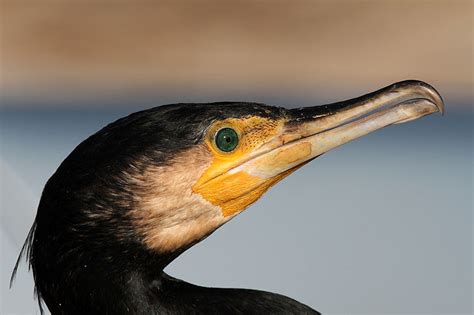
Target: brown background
x,y
120,51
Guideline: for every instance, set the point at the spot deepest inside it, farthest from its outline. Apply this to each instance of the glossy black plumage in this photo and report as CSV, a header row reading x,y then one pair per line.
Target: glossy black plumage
x,y
86,256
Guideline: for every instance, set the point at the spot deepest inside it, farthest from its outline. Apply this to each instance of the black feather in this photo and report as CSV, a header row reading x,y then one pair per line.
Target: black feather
x,y
87,257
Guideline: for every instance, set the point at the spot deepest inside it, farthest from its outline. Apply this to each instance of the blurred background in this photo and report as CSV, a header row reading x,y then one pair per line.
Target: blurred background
x,y
380,225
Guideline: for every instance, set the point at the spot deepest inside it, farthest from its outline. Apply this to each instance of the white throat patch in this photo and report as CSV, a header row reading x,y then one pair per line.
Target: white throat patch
x,y
170,215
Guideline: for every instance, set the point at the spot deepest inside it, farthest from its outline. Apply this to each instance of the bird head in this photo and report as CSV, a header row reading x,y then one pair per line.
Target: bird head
x,y
150,185
244,149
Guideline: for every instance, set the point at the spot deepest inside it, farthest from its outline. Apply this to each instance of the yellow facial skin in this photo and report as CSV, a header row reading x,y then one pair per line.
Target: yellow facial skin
x,y
233,191
270,150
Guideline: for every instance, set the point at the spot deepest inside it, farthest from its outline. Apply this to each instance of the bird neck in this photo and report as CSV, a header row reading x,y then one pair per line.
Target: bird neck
x,y
146,290
128,292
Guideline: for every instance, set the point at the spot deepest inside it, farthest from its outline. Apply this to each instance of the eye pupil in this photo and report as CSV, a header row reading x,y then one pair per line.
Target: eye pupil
x,y
226,139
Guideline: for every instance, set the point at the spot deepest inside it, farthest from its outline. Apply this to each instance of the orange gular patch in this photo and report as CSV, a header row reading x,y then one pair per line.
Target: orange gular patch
x,y
235,190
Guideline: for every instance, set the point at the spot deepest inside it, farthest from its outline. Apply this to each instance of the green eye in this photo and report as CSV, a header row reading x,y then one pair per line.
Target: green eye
x,y
227,139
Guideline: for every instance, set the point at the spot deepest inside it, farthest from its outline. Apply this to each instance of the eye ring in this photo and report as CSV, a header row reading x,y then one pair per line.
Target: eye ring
x,y
226,139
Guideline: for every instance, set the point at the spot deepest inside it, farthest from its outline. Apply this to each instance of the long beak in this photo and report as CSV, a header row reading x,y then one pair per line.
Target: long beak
x,y
312,131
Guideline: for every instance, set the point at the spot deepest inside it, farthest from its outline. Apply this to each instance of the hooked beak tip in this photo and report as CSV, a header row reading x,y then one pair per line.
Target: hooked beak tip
x,y
312,131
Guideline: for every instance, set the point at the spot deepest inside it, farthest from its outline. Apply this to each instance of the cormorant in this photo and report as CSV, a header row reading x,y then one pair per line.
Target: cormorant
x,y
136,194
